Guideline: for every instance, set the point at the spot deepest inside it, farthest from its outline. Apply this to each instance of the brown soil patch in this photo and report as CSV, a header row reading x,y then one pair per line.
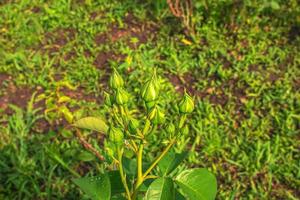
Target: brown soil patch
x,y
36,9
4,78
70,55
95,15
185,82
80,94
216,95
294,33
55,40
273,77
253,68
134,28
103,58
16,96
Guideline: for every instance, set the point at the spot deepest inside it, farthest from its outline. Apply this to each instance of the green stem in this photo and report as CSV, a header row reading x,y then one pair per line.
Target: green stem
x,y
123,177
159,158
140,179
140,163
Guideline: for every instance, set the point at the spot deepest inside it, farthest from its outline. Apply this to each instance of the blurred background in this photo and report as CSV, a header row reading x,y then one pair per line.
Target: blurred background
x,y
238,58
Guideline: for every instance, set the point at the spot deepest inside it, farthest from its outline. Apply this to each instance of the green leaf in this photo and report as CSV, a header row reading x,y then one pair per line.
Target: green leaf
x,y
92,123
179,196
97,188
170,161
197,184
161,189
116,182
85,156
130,166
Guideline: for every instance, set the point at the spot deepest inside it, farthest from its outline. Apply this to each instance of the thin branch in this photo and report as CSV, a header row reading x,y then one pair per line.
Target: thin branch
x,y
88,146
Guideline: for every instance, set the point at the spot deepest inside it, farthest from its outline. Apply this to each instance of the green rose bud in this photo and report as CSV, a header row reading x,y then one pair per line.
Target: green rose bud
x,y
116,80
121,96
185,130
186,105
116,135
171,129
133,125
156,116
149,92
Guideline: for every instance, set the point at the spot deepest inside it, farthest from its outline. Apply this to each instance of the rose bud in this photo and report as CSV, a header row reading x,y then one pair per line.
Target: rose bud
x,y
149,91
185,130
121,96
186,105
170,128
116,81
156,116
133,125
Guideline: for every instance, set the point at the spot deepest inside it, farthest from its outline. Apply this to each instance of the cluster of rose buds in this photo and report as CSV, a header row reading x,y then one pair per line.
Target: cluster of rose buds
x,y
150,95
117,84
120,97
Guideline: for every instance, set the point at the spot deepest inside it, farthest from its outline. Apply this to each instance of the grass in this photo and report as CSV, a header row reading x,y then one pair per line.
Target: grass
x,y
243,69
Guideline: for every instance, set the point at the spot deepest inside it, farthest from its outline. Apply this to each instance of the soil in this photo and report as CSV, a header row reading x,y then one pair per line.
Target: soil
x,y
133,28
18,96
294,33
4,78
216,95
70,55
55,40
102,59
80,94
36,9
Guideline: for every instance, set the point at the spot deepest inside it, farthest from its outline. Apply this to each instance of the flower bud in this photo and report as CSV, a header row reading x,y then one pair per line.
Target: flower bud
x,y
133,125
156,116
170,128
116,81
121,96
186,105
185,130
116,135
149,91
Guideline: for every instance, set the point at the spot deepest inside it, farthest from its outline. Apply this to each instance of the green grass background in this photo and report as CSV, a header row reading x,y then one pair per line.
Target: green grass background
x,y
242,68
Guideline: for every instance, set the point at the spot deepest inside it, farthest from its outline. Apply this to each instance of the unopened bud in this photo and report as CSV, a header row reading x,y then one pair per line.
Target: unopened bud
x,y
171,129
116,81
121,96
156,116
133,125
185,130
150,90
186,105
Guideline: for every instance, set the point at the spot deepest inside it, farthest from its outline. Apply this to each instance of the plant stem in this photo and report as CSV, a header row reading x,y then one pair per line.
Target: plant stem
x,y
140,165
159,158
123,177
141,178
88,146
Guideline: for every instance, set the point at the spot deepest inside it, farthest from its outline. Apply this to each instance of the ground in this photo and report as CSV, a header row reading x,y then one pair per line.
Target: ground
x,y
241,66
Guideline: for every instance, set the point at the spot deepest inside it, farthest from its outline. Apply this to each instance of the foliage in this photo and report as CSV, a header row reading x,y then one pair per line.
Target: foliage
x,y
242,66
127,137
